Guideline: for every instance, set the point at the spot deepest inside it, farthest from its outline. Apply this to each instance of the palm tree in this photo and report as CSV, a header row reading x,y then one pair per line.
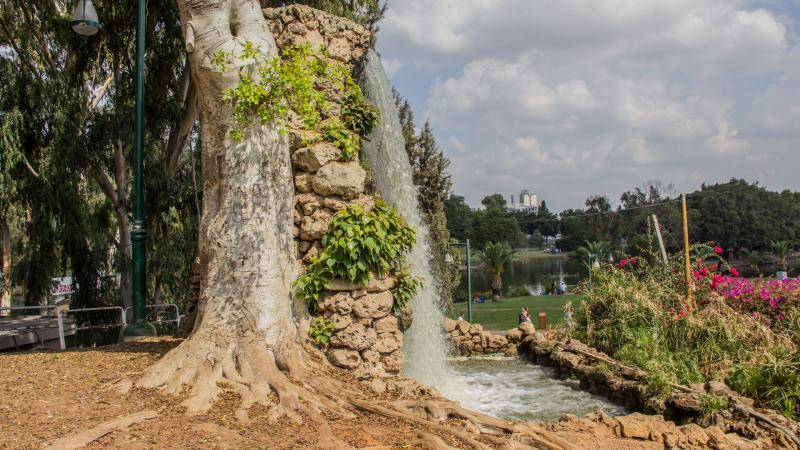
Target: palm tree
x,y
495,256
781,249
600,250
755,258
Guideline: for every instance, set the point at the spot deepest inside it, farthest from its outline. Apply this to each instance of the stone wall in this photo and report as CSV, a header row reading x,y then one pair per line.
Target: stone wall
x,y
470,339
367,339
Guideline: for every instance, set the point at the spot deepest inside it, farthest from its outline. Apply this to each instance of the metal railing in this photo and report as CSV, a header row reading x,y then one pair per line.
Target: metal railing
x,y
60,318
158,319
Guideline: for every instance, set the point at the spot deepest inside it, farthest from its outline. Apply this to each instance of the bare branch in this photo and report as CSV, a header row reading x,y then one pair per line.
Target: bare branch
x,y
180,131
107,188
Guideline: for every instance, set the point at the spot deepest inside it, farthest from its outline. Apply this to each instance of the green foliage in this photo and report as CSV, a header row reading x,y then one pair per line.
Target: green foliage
x,y
637,314
358,242
711,403
405,288
599,251
781,250
302,82
773,380
321,329
495,256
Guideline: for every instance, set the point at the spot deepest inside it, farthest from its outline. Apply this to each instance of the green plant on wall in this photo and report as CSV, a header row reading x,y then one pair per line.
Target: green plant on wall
x,y
321,329
358,242
405,287
303,82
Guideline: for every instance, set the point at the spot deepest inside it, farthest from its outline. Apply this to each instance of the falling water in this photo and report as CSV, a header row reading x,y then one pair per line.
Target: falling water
x,y
425,349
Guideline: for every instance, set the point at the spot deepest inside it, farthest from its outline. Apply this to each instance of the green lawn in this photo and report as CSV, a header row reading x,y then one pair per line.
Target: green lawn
x,y
503,315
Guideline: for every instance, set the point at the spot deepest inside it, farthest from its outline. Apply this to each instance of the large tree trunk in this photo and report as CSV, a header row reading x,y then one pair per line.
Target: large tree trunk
x,y
245,332
5,255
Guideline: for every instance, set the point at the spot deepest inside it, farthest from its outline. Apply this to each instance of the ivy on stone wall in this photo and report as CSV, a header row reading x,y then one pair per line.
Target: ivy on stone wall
x,y
359,243
317,89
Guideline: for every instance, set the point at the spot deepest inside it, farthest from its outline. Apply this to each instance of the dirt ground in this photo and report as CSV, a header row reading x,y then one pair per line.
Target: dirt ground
x,y
48,395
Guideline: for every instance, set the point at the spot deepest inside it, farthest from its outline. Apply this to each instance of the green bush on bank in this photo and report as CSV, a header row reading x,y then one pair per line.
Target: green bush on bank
x,y
636,312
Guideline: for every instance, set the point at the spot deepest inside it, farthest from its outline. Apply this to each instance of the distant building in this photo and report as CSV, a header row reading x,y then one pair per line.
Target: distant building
x,y
528,202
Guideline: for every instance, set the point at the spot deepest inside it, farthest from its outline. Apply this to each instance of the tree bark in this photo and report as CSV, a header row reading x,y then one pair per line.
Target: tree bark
x,y
245,332
5,251
118,198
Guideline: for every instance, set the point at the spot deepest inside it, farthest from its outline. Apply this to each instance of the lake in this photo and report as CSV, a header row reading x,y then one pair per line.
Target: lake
x,y
533,275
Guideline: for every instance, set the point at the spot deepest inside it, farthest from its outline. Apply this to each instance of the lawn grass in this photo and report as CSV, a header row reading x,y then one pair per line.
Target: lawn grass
x,y
502,315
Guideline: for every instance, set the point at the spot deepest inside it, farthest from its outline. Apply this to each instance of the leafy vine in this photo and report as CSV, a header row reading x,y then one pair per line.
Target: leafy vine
x,y
302,82
359,242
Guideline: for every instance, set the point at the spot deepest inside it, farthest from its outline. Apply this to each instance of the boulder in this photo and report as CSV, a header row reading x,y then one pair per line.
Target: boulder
x,y
340,321
388,342
355,337
511,350
315,226
527,328
308,203
371,356
347,359
475,328
641,426
310,159
339,302
496,342
393,362
387,324
345,179
339,49
463,326
374,306
449,325
514,335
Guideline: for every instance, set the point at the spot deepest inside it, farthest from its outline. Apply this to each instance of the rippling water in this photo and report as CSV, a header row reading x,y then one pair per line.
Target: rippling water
x,y
512,389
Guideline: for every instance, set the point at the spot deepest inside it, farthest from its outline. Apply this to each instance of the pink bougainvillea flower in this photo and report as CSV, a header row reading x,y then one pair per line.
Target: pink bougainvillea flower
x,y
623,262
734,272
716,280
682,313
718,250
634,261
704,271
696,274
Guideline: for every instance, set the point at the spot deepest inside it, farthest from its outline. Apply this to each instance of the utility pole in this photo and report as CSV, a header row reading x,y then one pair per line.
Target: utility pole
x,y
660,240
687,262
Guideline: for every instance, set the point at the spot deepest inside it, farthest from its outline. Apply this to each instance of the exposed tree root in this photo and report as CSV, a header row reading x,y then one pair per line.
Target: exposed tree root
x,y
85,437
512,435
248,368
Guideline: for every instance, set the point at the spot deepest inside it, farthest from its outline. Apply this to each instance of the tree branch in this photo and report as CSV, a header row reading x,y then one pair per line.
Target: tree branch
x,y
180,131
107,188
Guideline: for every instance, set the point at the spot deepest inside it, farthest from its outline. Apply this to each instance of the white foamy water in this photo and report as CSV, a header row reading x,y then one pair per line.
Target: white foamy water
x,y
425,348
509,388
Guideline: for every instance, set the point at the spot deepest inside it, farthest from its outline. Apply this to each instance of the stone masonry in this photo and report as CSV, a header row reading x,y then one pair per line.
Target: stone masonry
x,y
367,338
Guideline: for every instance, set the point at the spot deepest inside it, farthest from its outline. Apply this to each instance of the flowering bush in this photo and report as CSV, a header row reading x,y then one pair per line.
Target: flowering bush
x,y
766,299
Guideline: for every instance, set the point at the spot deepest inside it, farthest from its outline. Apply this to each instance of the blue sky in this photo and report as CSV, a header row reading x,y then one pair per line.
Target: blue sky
x,y
573,98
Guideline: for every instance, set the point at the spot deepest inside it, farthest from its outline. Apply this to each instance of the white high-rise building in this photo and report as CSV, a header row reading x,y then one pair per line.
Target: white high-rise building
x,y
528,202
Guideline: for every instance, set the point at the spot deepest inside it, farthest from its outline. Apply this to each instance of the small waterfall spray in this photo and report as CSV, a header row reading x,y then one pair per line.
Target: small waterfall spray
x,y
425,347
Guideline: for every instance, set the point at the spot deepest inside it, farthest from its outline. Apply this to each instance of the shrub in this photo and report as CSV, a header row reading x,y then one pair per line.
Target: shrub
x,y
637,313
321,329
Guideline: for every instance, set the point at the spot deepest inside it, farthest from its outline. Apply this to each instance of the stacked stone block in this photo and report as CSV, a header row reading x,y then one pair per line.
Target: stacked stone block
x,y
367,339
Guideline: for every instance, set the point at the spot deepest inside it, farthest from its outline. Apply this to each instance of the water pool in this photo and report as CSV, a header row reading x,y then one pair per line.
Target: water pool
x,y
510,388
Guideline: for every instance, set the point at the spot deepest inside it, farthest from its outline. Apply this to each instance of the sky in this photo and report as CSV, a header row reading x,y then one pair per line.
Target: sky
x,y
574,98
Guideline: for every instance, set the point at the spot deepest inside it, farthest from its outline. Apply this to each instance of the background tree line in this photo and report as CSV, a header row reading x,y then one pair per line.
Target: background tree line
x,y
738,215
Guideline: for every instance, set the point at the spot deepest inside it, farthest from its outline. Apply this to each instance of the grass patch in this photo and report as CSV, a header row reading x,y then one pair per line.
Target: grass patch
x,y
503,315
527,256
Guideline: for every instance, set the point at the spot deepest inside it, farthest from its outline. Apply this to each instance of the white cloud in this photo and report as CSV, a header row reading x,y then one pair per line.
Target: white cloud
x,y
604,94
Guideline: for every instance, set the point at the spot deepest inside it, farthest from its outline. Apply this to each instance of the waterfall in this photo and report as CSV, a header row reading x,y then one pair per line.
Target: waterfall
x,y
425,347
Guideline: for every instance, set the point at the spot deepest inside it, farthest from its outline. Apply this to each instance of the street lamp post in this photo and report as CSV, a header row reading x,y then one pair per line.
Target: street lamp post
x,y
85,22
449,259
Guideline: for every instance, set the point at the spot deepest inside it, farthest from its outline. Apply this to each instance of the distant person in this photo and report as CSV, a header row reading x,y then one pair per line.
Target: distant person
x,y
562,288
568,314
523,315
552,288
